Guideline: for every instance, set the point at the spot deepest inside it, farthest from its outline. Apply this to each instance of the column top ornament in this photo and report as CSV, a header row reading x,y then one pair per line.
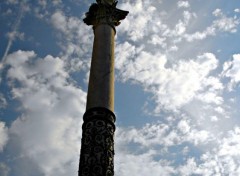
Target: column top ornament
x,y
104,12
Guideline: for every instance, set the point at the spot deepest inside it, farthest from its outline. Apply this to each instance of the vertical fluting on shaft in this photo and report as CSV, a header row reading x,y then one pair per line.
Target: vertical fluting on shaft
x,y
97,150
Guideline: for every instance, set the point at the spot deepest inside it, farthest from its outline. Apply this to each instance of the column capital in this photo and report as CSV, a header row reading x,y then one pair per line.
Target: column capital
x,y
104,12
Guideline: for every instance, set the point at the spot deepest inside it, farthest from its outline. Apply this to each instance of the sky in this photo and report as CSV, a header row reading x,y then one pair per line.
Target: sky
x,y
177,87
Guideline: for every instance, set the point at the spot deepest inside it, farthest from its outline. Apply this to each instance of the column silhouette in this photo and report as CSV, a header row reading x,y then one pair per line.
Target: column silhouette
x,y
97,150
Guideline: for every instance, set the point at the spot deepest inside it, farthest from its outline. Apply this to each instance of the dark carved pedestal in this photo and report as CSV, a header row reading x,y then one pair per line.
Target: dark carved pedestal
x,y
97,149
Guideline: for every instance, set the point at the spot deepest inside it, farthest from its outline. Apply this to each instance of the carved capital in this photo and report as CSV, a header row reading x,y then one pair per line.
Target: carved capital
x,y
104,12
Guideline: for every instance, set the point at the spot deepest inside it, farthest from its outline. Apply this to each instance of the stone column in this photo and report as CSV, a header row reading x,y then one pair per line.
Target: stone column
x,y
101,82
97,150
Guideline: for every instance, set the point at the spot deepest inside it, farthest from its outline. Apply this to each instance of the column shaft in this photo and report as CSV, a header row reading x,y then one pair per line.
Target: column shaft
x,y
101,82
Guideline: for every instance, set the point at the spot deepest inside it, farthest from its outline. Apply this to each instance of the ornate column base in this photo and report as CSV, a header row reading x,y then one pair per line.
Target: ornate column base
x,y
97,151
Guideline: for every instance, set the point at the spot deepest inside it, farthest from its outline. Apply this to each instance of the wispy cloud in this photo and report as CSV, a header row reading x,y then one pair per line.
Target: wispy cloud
x,y
231,69
14,34
3,135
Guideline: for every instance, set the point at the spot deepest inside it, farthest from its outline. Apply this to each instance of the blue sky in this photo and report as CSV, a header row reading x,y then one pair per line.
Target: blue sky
x,y
176,91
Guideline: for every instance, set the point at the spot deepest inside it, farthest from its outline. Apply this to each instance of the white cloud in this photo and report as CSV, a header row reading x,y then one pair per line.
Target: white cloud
x,y
138,22
219,110
3,101
164,135
59,21
230,145
220,157
187,16
231,69
237,10
189,168
183,4
75,41
183,126
224,159
141,165
172,86
153,143
146,25
156,40
226,24
217,12
3,135
211,97
14,35
122,57
221,24
52,109
214,118
149,135
56,2
180,28
176,34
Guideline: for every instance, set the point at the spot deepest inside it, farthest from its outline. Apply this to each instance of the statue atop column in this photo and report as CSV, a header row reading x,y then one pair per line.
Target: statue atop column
x,y
107,2
104,11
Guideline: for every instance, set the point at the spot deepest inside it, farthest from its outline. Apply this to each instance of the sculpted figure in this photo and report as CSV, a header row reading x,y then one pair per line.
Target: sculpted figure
x,y
104,11
107,2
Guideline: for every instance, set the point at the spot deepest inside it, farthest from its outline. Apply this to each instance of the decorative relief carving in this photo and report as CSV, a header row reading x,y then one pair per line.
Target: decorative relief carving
x,y
104,12
97,151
